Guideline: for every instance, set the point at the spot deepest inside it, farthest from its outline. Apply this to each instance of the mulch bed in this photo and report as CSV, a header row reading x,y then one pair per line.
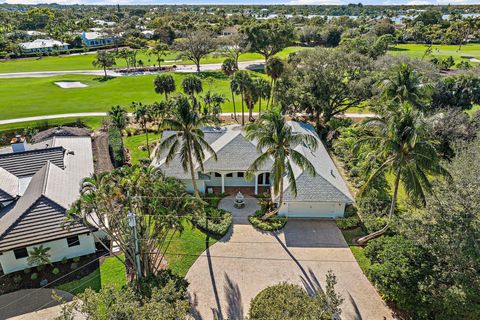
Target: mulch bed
x,y
22,279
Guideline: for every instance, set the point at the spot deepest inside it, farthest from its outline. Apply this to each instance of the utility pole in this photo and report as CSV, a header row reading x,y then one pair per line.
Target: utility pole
x,y
132,222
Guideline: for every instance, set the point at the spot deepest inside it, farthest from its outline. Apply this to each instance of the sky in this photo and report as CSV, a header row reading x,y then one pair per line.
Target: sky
x,y
257,2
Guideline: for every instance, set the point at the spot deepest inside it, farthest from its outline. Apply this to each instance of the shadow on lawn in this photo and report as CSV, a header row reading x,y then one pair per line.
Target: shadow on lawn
x,y
103,79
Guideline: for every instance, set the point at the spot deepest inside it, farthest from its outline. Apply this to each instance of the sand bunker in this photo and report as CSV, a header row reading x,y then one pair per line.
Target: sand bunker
x,y
70,84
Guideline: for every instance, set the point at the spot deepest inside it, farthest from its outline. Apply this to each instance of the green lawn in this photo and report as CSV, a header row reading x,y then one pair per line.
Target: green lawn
x,y
440,51
26,97
133,143
92,122
110,273
84,61
357,251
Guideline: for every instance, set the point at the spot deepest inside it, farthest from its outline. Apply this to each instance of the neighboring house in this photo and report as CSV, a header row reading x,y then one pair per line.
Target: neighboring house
x,y
43,45
148,34
229,31
96,39
104,23
324,195
38,183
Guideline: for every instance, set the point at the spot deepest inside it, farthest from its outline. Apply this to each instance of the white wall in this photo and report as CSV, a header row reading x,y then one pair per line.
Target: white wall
x,y
58,250
312,209
189,186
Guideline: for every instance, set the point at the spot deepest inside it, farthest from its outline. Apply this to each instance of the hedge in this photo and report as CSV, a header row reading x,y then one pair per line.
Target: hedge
x,y
219,221
115,144
273,223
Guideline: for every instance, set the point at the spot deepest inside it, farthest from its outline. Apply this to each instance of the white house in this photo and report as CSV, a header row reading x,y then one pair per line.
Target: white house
x,y
323,195
39,183
96,39
43,45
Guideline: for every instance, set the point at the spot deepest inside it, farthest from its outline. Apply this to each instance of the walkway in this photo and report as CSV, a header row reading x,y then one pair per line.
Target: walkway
x,y
103,114
242,65
22,302
233,271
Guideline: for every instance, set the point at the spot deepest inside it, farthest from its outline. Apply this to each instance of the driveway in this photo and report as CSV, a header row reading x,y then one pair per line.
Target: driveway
x,y
233,271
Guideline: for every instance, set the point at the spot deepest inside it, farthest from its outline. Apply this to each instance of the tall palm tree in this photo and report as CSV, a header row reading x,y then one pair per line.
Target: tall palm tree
x,y
192,85
251,96
229,68
164,83
264,91
274,69
188,139
277,140
242,82
143,114
401,145
119,117
405,85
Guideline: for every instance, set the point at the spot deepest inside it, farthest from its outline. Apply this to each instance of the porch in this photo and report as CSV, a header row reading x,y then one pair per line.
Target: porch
x,y
232,182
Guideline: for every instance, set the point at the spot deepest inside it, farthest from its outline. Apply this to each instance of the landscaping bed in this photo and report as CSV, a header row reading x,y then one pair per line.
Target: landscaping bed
x,y
26,279
273,223
215,221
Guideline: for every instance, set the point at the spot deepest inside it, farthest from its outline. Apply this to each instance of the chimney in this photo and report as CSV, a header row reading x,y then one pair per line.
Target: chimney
x,y
19,144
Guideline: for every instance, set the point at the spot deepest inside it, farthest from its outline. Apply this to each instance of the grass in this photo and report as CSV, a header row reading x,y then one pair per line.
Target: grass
x,y
468,51
186,247
133,144
92,122
84,61
110,273
40,96
357,251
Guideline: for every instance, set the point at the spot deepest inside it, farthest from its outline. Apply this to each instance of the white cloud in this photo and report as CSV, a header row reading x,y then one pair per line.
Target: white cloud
x,y
419,3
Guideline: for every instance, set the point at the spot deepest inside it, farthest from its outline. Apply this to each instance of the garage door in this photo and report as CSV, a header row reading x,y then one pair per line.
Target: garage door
x,y
315,210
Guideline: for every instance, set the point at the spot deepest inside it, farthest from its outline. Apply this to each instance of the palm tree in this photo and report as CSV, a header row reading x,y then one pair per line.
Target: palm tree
x,y
277,141
229,68
39,256
188,139
104,59
242,82
192,85
401,145
119,117
405,85
251,97
264,90
159,50
159,111
164,83
143,114
274,68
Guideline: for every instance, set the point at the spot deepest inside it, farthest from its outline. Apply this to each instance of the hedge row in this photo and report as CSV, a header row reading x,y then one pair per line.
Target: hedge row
x,y
115,144
219,221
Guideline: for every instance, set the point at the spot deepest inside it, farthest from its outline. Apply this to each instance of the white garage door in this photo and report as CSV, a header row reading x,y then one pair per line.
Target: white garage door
x,y
315,210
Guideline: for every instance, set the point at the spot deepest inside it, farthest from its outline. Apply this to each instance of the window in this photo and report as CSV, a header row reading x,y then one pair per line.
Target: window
x,y
217,175
240,174
230,175
267,178
20,253
73,241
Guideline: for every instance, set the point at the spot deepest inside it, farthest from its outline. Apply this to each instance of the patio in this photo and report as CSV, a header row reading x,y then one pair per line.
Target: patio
x,y
240,216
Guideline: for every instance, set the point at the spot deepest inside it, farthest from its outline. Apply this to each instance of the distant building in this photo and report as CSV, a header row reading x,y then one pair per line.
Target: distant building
x,y
38,184
96,39
148,34
104,23
229,31
43,45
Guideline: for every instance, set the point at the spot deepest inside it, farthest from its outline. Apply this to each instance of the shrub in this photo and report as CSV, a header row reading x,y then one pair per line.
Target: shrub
x,y
219,221
348,223
73,265
27,271
76,259
40,267
273,223
34,276
350,211
55,271
17,279
115,143
282,301
64,260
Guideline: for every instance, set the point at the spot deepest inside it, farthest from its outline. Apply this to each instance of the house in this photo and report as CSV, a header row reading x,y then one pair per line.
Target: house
x,y
38,183
148,34
324,195
229,31
96,39
43,45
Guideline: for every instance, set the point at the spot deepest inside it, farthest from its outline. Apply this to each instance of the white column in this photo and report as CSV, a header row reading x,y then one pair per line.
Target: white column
x,y
256,184
223,182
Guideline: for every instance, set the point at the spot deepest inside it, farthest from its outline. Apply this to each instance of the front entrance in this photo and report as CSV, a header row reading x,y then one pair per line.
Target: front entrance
x,y
250,191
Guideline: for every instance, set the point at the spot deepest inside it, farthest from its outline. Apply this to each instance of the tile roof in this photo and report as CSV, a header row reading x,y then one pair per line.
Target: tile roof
x,y
42,43
27,163
9,185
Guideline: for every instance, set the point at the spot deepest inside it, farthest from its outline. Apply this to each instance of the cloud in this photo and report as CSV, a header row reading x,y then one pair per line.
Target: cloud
x,y
314,2
419,3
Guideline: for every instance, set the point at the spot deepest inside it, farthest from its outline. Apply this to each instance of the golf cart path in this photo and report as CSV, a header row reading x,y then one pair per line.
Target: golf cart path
x,y
103,114
242,65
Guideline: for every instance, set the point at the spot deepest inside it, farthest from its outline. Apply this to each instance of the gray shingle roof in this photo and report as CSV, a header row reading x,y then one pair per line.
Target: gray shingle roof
x,y
60,132
27,163
9,185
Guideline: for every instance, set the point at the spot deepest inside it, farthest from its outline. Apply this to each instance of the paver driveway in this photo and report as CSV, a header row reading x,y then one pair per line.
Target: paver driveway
x,y
229,274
